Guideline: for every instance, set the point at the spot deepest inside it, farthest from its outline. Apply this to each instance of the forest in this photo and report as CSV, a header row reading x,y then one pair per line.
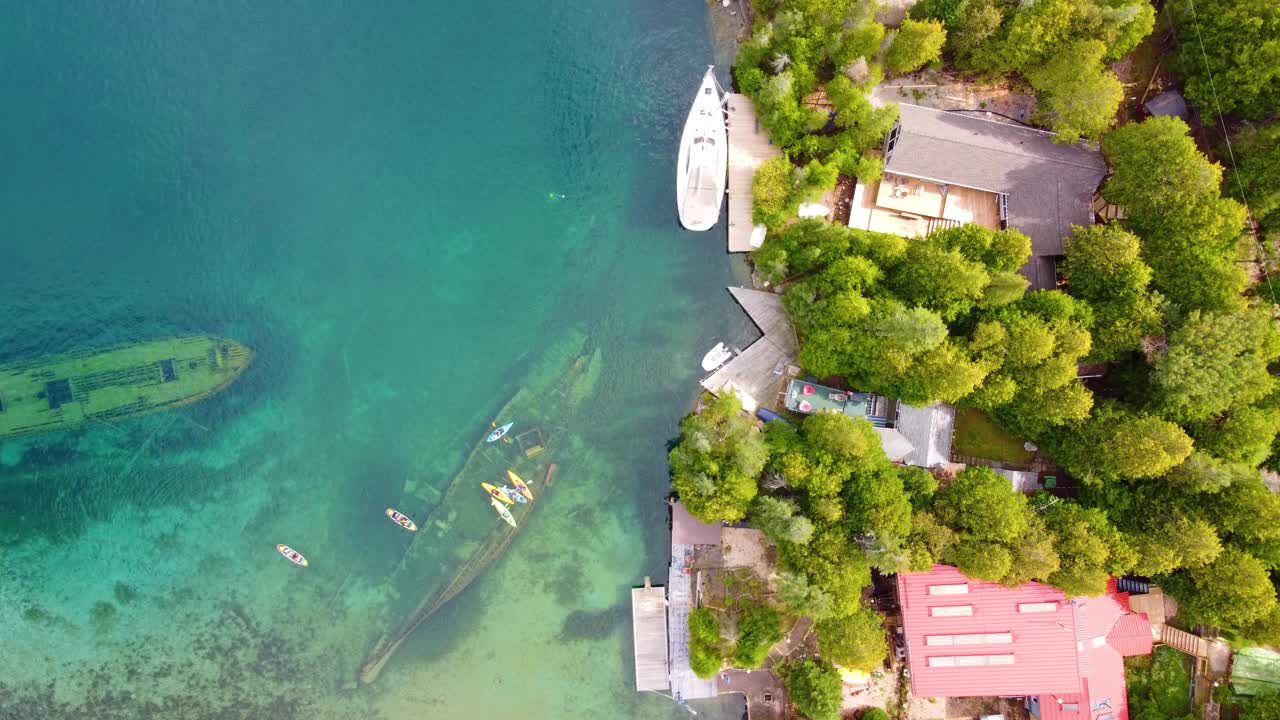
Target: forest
x,y
1176,299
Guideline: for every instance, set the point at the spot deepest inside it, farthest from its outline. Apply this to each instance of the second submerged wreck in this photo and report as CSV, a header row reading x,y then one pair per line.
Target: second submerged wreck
x,y
462,534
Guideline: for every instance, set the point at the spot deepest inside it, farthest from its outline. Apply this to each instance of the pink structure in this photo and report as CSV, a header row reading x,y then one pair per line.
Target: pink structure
x,y
970,638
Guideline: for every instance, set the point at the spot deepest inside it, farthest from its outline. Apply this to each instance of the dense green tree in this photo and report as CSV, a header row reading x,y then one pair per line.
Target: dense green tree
x,y
780,520
1124,24
814,686
934,539
800,598
779,188
1173,540
1257,178
1190,235
1089,548
978,24
1032,348
1078,96
1157,166
940,280
1260,707
1103,267
795,42
1117,442
1030,35
857,641
1241,435
759,627
983,505
1035,556
1232,591
1215,362
1228,55
705,643
916,44
981,559
949,12
717,460
1264,631
1204,473
919,485
1245,512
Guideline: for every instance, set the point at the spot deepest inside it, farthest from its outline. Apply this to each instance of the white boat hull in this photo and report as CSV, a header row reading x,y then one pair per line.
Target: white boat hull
x,y
716,357
702,164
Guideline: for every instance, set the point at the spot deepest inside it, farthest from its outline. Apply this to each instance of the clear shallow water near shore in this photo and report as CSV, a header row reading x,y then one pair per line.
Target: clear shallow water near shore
x,y
370,196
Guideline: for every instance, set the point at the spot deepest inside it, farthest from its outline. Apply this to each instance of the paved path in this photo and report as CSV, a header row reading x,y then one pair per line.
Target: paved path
x,y
684,684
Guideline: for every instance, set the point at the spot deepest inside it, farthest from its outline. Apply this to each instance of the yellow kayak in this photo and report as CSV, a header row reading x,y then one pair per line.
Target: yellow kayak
x,y
520,485
496,493
503,512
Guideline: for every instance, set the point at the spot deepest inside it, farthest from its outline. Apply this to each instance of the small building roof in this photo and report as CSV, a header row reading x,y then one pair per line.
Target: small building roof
x,y
1049,185
756,372
1024,481
1169,103
929,430
971,638
689,530
1255,671
896,446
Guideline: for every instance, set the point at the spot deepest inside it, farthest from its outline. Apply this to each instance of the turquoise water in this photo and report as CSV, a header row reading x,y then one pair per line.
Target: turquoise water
x,y
400,208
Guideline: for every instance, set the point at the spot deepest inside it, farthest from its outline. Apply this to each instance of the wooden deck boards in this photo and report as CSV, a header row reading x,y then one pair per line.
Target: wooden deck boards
x,y
748,147
649,625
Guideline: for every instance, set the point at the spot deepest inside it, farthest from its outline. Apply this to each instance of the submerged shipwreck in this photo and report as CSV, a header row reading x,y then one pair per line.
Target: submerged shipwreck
x,y
61,392
461,536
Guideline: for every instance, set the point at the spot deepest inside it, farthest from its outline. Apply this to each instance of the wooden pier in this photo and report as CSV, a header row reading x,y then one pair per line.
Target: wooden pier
x,y
649,625
749,146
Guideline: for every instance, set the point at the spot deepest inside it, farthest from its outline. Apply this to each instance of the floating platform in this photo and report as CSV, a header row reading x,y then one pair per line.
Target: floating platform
x,y
649,628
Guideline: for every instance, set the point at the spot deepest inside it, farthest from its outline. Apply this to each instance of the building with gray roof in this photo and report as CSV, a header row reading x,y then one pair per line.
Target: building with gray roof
x,y
1043,187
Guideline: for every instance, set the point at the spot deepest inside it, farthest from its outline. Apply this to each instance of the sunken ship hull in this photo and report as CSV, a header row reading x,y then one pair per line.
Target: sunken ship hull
x,y
62,392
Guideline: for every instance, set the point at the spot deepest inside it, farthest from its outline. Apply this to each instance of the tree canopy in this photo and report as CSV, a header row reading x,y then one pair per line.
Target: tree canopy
x,y
916,44
1228,55
1060,46
814,686
857,641
1104,268
1170,190
715,464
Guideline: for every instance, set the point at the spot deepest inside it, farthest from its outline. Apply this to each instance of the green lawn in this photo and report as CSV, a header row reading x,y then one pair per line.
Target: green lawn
x,y
977,436
1159,685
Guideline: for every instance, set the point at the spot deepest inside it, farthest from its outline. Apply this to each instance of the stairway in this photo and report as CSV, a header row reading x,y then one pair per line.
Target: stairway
x,y
1181,640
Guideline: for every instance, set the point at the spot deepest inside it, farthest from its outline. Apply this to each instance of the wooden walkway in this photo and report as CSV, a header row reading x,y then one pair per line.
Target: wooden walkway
x,y
1193,645
649,626
749,146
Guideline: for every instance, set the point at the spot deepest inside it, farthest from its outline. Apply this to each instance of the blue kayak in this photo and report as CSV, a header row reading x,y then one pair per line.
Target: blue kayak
x,y
498,433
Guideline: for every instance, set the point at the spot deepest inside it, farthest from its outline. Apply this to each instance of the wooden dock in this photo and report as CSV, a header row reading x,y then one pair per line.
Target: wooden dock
x,y
749,146
649,625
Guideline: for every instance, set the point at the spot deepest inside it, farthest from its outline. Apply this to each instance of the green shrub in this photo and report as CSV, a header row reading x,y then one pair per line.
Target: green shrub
x,y
814,686
704,643
759,627
918,43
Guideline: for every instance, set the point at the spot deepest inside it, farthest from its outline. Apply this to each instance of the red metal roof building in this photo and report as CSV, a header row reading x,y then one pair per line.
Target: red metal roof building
x,y
970,638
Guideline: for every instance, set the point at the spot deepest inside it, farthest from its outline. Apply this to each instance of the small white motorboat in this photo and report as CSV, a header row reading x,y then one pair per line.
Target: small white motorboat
x,y
702,165
716,357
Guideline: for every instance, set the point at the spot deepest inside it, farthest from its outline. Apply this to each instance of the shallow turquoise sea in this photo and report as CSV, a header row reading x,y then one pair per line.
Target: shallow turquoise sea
x,y
401,207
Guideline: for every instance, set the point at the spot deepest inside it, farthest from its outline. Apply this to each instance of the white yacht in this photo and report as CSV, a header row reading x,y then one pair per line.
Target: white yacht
x,y
704,157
